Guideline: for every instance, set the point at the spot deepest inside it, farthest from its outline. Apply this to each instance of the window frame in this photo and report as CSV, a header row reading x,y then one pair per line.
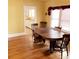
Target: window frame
x,y
60,18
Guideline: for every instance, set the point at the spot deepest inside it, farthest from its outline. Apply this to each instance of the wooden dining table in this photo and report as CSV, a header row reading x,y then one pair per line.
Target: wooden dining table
x,y
50,34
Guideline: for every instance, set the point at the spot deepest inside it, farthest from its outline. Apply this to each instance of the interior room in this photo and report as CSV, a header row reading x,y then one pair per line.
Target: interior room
x,y
38,29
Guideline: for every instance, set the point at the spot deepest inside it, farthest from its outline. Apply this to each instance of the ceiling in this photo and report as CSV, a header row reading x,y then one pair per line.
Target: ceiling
x,y
44,0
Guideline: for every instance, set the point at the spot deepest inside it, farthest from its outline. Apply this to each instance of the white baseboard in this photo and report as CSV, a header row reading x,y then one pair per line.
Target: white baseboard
x,y
16,34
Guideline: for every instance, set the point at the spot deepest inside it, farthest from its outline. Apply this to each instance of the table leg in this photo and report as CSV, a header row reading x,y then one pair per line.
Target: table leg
x,y
52,43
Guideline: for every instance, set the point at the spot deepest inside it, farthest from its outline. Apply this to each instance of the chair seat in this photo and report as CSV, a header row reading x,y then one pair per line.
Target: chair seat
x,y
59,46
63,44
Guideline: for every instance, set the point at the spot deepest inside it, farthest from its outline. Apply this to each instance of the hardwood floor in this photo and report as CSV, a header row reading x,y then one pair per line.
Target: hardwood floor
x,y
22,47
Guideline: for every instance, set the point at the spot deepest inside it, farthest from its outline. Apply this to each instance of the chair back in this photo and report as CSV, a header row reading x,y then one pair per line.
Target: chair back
x,y
58,27
66,39
43,24
34,26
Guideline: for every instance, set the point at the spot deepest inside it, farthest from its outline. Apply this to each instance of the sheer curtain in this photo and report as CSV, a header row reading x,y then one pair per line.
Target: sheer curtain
x,y
65,19
55,18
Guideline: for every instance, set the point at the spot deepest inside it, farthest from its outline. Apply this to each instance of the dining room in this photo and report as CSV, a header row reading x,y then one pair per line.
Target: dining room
x,y
39,29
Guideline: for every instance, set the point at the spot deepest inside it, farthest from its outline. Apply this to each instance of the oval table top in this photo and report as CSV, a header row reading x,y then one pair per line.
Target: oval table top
x,y
49,33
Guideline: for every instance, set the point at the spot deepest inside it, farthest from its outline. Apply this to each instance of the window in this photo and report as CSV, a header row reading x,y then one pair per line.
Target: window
x,y
61,18
55,18
65,19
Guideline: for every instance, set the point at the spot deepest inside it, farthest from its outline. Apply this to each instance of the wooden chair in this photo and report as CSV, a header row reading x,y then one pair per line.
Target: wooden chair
x,y
37,38
57,28
63,44
43,24
34,36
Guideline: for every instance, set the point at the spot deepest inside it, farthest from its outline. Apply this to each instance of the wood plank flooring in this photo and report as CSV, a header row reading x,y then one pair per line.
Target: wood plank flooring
x,y
22,47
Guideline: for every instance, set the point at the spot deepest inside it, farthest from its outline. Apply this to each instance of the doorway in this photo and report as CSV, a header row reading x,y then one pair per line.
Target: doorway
x,y
29,16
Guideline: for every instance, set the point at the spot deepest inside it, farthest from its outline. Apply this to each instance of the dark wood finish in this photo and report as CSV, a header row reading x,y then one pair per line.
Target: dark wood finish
x,y
35,25
43,24
58,28
57,7
49,33
37,38
34,36
63,44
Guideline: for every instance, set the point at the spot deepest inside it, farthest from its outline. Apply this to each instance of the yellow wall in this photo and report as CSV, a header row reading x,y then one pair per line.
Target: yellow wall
x,y
15,16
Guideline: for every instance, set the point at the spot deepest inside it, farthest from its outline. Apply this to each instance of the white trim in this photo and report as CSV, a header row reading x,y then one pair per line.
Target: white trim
x,y
16,34
60,15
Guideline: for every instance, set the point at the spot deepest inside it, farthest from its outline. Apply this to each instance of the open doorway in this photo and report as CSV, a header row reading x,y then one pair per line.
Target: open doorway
x,y
29,16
